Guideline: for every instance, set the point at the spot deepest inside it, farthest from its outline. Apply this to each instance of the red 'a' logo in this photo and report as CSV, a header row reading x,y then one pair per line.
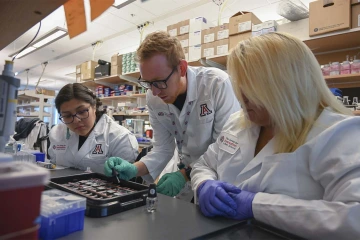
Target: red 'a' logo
x,y
204,110
98,149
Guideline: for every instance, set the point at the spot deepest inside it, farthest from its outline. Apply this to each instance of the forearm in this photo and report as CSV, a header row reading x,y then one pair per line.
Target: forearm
x,y
142,169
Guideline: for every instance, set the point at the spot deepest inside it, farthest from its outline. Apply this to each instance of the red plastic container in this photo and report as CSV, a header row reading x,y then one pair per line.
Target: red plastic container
x,y
21,184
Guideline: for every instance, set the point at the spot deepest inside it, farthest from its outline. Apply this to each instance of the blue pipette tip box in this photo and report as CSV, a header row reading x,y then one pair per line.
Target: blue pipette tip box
x,y
62,213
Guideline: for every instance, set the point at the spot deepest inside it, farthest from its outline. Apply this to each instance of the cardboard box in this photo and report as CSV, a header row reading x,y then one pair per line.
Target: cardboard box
x,y
78,69
208,35
222,32
269,26
186,53
116,70
194,53
355,16
222,47
208,50
235,39
183,27
48,92
88,70
195,38
199,24
328,19
116,59
173,30
184,40
78,77
257,30
242,22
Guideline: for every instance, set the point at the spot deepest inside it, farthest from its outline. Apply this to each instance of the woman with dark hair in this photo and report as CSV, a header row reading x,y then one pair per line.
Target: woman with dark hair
x,y
87,136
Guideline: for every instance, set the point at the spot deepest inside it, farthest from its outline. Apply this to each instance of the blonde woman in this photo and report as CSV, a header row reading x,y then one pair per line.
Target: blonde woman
x,y
290,158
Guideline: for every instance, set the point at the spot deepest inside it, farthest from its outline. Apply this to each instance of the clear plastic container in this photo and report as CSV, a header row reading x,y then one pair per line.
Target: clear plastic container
x,y
335,69
61,214
355,66
326,70
345,67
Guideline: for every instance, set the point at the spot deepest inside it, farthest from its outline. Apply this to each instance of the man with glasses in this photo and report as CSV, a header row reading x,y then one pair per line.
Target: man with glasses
x,y
188,107
87,137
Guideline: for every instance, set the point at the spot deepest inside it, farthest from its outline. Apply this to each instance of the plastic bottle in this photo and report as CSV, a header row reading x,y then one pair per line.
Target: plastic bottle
x,y
355,67
326,70
335,69
151,200
345,67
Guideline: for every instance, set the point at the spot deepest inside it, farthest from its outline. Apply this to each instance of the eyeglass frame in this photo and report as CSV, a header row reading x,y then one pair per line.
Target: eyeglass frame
x,y
75,115
152,82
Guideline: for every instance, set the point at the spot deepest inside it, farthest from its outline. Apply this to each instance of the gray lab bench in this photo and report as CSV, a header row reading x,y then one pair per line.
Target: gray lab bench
x,y
174,219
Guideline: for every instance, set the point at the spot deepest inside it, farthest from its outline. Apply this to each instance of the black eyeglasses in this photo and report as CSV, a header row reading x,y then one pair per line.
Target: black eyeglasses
x,y
69,118
160,84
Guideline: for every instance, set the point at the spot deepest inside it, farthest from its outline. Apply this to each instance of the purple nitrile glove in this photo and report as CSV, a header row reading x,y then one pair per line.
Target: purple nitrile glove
x,y
214,198
243,201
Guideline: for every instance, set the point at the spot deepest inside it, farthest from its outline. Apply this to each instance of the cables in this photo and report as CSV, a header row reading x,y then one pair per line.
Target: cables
x,y
37,84
29,42
27,79
141,29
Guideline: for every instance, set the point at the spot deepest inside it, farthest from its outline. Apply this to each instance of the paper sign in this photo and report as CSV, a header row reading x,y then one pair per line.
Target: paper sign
x,y
75,17
98,7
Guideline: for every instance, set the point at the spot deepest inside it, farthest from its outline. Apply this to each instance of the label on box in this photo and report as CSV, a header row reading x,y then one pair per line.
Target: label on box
x,y
244,26
209,38
223,49
184,43
184,29
208,52
173,32
223,34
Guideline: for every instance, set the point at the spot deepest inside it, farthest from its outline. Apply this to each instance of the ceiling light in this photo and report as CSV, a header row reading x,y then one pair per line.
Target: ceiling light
x,y
122,3
48,38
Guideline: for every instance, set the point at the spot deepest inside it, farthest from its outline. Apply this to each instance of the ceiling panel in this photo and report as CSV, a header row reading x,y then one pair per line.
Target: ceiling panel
x,y
113,22
159,7
209,10
132,13
268,12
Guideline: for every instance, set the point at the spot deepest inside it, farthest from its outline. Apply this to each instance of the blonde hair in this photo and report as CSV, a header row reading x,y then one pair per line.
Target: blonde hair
x,y
161,42
279,72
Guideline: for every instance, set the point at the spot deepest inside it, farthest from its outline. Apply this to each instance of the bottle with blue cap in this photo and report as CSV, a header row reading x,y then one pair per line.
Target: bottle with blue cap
x,y
151,200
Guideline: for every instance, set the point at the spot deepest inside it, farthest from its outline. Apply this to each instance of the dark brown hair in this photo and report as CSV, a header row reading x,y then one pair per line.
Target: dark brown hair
x,y
80,92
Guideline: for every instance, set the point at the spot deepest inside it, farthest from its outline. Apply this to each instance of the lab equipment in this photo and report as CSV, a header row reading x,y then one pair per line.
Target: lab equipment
x,y
8,100
151,200
46,165
345,67
214,198
171,184
125,169
243,201
114,173
135,126
336,92
21,185
62,213
346,100
355,66
334,68
355,101
104,195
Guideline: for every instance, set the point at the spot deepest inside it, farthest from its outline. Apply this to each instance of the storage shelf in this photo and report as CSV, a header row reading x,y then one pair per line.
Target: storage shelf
x,y
117,97
343,81
133,114
140,95
35,104
32,115
196,63
334,41
218,61
110,79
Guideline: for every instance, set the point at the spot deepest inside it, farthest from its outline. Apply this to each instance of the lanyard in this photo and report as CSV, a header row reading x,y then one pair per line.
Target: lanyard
x,y
179,136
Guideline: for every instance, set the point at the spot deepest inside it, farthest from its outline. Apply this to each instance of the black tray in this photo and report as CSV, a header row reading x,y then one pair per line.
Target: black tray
x,y
111,205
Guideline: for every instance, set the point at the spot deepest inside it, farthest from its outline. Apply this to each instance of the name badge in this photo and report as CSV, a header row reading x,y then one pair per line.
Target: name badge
x,y
228,143
59,148
98,150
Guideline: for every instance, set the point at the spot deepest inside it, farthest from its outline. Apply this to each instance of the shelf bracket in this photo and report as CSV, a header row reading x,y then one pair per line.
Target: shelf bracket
x,y
211,63
130,79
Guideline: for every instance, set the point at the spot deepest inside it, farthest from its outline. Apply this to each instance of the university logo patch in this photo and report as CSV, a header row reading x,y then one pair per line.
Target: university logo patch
x,y
204,110
98,149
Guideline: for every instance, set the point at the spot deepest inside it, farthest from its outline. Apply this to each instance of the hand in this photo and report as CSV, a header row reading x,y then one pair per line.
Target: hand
x,y
336,92
243,201
214,198
171,184
125,169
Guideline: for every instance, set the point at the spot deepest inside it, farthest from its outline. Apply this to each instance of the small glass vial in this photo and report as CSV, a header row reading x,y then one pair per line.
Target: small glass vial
x,y
326,70
346,100
151,200
355,66
355,101
335,69
345,67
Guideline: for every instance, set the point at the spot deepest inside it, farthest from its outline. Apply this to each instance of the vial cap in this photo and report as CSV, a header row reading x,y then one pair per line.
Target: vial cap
x,y
152,190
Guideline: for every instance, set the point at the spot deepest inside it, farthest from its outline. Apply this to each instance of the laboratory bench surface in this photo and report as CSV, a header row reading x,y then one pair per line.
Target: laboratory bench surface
x,y
174,219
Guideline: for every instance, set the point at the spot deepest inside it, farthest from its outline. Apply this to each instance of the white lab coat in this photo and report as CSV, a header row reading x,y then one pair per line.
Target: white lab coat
x,y
313,192
107,139
208,86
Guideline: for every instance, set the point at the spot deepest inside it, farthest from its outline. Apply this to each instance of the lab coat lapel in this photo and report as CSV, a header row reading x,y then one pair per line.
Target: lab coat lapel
x,y
73,143
255,163
191,96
